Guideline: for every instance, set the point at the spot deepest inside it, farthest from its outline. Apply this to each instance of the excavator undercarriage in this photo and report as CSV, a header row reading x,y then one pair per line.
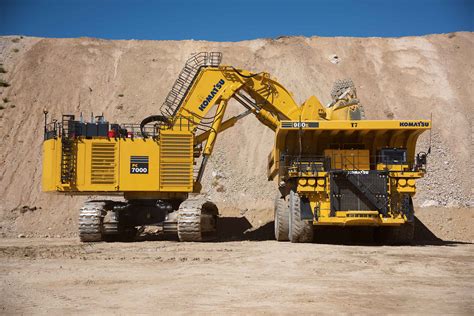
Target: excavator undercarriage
x,y
194,220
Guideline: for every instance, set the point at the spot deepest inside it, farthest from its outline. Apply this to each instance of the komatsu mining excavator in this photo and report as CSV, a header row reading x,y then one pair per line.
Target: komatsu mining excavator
x,y
331,166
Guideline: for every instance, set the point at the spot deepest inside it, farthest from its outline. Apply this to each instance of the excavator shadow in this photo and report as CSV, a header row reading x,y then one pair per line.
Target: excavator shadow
x,y
239,228
228,229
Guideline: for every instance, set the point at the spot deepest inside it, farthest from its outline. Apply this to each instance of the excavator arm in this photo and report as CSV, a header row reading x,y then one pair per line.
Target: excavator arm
x,y
200,96
268,100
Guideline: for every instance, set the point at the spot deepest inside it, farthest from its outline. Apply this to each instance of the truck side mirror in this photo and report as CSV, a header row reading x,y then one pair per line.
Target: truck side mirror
x,y
421,159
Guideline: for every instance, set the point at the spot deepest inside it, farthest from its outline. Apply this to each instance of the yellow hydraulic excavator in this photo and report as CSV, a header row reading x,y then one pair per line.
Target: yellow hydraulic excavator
x,y
332,167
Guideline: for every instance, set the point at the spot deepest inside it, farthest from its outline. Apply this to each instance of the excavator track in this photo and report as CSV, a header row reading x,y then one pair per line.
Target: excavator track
x,y
111,223
91,219
197,219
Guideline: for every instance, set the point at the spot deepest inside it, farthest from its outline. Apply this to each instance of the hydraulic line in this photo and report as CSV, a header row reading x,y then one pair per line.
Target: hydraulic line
x,y
215,128
152,118
245,76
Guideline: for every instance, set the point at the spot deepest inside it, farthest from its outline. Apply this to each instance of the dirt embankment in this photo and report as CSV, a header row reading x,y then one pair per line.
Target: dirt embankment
x,y
403,78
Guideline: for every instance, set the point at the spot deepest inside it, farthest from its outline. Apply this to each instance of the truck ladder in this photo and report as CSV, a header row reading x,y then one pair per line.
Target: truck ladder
x,y
380,202
185,79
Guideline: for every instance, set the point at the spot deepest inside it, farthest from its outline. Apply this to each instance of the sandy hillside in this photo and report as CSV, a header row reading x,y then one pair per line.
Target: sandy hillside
x,y
403,78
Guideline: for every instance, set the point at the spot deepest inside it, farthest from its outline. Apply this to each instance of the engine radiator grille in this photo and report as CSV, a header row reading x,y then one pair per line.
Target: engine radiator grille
x,y
103,163
176,162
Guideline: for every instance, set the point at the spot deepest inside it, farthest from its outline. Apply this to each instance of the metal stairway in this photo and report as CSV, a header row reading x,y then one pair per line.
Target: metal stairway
x,y
185,79
365,187
379,201
68,152
68,161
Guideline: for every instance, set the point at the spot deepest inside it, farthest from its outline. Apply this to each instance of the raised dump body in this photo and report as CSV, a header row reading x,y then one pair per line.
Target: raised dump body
x,y
348,173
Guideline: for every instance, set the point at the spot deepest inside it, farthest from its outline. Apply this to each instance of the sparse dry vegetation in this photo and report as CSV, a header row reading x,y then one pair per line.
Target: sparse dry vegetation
x,y
5,100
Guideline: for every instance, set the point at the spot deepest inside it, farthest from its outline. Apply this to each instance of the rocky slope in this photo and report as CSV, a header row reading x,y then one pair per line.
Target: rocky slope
x,y
403,78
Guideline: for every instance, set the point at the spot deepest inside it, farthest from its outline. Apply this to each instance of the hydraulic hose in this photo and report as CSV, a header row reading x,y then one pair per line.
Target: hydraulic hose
x,y
152,118
245,76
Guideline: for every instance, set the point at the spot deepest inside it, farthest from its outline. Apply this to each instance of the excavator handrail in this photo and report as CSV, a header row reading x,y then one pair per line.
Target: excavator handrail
x,y
186,78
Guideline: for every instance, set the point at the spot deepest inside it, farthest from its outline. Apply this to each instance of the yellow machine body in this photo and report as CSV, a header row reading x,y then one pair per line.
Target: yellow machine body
x,y
315,147
101,164
130,165
346,146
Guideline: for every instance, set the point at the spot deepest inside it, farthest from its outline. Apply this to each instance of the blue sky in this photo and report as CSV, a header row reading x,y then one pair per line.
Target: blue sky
x,y
228,20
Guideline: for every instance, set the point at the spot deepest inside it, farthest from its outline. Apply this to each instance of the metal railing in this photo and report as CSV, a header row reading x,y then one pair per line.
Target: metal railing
x,y
52,130
310,164
56,129
185,79
131,130
299,165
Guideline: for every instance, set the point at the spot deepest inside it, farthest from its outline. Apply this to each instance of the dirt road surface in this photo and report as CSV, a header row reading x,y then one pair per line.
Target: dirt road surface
x,y
64,276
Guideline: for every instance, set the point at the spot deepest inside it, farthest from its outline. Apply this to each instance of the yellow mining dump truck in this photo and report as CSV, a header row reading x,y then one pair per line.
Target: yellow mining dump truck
x,y
157,165
346,173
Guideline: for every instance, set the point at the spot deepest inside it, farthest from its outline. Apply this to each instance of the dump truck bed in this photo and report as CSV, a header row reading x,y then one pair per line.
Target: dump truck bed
x,y
313,138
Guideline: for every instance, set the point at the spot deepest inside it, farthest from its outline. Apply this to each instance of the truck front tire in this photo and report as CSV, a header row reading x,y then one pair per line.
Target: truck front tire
x,y
300,231
282,218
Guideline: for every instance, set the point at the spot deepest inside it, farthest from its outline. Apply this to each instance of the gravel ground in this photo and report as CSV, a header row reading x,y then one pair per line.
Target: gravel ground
x,y
240,277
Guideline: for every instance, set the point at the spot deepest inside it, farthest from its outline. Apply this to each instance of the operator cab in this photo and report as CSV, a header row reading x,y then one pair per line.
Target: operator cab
x,y
393,156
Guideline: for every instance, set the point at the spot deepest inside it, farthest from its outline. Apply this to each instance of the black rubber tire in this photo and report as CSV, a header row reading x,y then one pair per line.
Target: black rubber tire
x,y
300,231
282,218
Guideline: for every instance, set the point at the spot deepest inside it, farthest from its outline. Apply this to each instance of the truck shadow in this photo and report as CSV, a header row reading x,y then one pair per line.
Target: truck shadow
x,y
239,229
425,237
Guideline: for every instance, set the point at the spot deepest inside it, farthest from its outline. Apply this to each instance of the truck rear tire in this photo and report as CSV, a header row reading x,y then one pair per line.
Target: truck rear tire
x,y
300,231
282,218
